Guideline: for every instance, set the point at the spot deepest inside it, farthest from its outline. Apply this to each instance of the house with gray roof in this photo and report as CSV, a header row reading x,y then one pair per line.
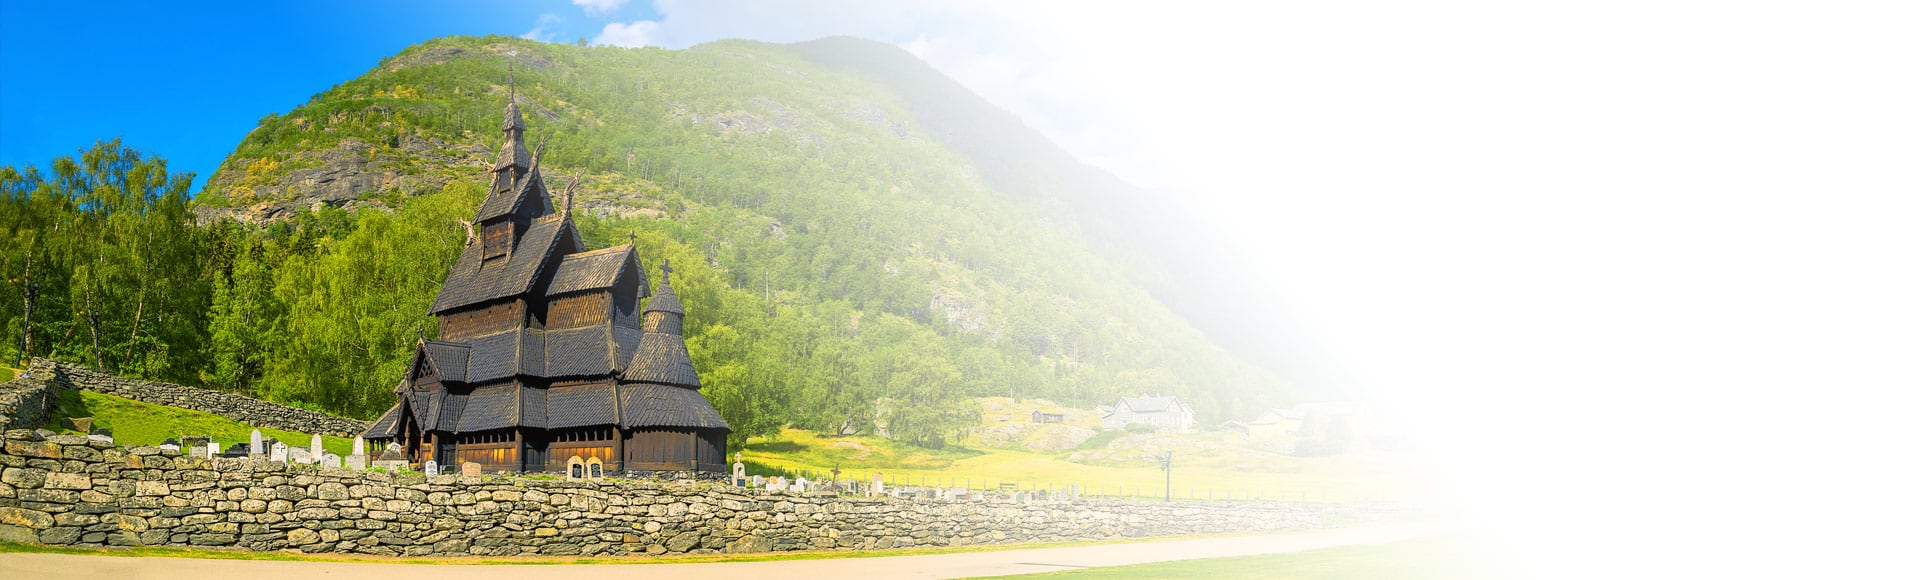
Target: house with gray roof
x,y
1162,412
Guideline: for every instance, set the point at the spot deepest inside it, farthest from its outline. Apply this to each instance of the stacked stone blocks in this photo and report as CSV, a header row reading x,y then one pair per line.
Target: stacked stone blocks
x,y
51,374
83,491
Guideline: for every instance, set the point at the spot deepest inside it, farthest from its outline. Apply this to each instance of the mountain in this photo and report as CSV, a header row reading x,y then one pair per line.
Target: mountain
x,y
864,239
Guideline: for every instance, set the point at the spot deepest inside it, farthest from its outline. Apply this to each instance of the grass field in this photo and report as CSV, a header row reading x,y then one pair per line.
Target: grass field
x,y
1195,473
1207,465
136,423
1446,557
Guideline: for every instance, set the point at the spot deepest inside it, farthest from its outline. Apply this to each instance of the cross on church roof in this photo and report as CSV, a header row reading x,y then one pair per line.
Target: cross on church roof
x,y
666,270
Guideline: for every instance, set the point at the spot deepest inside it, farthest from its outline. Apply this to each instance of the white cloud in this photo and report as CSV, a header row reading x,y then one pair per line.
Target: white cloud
x,y
629,34
543,30
600,7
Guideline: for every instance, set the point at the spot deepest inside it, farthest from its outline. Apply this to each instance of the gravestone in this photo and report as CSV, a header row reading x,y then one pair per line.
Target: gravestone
x,y
254,448
354,462
431,467
195,446
759,481
391,459
595,469
469,468
358,459
800,485
329,460
170,444
300,455
278,452
313,448
213,449
879,485
739,472
576,469
359,445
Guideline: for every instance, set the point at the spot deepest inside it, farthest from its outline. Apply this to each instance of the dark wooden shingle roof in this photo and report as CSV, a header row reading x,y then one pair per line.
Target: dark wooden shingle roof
x,y
490,407
662,359
594,270
474,280
579,352
513,120
449,359
647,405
420,403
495,357
449,405
664,300
533,408
580,406
388,425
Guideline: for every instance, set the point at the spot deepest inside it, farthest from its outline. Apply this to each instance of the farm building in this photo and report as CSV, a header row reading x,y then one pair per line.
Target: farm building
x,y
1162,412
1327,428
546,355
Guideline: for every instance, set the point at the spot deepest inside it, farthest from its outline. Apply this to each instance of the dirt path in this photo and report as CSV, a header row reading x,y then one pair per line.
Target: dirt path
x,y
926,566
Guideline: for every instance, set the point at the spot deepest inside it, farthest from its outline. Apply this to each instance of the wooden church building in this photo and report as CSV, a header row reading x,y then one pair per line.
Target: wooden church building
x,y
546,355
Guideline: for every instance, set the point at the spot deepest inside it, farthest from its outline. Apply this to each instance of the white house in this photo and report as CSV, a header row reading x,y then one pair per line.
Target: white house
x,y
1166,412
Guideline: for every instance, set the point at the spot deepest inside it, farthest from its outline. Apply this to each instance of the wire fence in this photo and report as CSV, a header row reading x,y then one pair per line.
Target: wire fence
x,y
911,484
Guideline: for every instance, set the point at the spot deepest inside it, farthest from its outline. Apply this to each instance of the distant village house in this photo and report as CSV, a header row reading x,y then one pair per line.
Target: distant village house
x,y
1162,412
1039,417
1328,428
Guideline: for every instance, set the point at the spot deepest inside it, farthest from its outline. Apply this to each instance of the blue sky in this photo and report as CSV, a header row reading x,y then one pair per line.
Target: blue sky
x,y
1597,245
187,80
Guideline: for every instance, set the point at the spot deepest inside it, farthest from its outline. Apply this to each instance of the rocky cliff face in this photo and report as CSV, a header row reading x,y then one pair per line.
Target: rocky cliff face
x,y
350,175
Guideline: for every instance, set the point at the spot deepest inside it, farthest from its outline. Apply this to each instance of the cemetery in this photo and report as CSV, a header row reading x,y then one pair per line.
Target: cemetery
x,y
265,495
84,491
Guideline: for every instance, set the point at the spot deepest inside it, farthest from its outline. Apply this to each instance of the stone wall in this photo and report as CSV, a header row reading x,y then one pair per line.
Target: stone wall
x,y
240,408
83,491
26,400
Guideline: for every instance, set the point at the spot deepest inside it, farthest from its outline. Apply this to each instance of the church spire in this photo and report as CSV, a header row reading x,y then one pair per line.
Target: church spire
x,y
513,153
664,300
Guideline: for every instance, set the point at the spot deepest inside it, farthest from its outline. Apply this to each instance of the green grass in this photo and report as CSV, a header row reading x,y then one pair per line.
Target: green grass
x,y
136,423
1340,478
7,374
1444,557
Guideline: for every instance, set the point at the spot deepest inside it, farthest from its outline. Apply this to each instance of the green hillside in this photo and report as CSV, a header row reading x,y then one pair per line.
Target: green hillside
x,y
854,258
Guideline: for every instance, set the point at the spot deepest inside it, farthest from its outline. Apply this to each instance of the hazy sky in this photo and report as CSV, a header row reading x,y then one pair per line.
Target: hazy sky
x,y
1645,275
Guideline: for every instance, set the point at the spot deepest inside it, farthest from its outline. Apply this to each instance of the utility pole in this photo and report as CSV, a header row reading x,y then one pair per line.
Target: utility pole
x,y
1166,464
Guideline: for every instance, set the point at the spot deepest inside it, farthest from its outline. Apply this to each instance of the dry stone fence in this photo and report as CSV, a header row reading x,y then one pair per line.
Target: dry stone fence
x,y
83,490
25,400
237,407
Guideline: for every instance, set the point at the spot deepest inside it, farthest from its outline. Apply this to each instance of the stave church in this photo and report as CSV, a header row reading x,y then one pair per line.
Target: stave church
x,y
550,356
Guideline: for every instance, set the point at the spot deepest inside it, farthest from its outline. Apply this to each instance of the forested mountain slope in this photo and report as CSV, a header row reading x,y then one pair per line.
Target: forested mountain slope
x,y
853,257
